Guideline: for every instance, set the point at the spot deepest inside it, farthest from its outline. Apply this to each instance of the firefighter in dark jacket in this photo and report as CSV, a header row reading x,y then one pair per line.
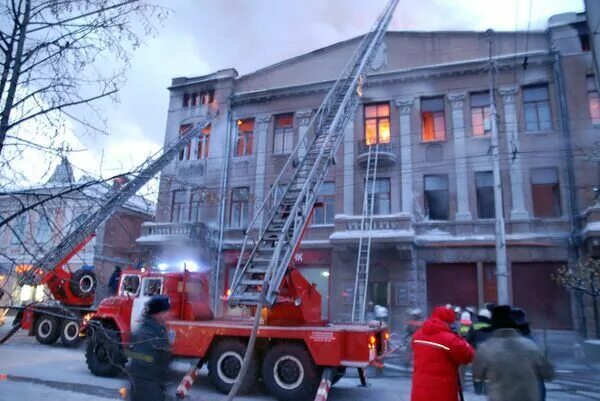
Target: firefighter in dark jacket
x,y
150,353
479,332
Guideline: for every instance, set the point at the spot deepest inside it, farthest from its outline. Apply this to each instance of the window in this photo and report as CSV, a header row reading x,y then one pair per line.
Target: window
x,y
178,206
584,40
44,229
244,138
377,123
151,287
283,142
433,119
545,192
381,195
239,207
484,182
197,98
207,97
324,213
436,197
19,229
593,99
184,154
203,142
197,198
480,113
130,284
536,107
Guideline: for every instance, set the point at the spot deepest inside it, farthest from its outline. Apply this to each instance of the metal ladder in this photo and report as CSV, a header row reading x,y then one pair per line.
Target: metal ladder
x,y
276,229
363,260
113,200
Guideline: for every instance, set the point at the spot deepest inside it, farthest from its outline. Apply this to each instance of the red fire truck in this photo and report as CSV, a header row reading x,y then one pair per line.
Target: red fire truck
x,y
293,345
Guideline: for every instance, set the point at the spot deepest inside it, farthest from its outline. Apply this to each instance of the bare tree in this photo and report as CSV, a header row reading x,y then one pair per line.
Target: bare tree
x,y
61,54
584,278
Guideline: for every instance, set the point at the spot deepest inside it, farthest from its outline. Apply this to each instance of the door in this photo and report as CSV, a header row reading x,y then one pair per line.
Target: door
x,y
150,286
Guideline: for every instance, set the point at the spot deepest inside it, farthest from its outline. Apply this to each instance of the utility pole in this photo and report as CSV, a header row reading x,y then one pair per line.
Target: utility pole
x,y
501,270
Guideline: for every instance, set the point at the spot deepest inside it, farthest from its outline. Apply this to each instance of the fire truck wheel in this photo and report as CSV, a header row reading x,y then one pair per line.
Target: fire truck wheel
x,y
47,329
289,373
224,366
103,353
83,283
69,333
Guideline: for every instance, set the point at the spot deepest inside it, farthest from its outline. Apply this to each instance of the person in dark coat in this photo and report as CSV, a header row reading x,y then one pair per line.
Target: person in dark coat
x,y
438,352
510,362
113,281
479,332
520,319
150,353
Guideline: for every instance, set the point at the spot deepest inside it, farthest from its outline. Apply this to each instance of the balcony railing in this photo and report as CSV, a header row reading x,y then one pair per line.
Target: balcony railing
x,y
389,227
386,154
154,233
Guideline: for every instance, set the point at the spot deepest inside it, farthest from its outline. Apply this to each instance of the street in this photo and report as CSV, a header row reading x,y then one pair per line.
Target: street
x,y
36,372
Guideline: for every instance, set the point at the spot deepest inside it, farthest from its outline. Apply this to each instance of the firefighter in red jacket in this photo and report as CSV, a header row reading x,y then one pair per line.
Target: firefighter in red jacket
x,y
438,352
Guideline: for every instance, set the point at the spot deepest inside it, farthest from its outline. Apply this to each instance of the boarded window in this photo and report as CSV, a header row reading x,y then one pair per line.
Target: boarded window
x,y
245,137
433,119
536,107
545,192
324,213
178,206
239,207
436,197
484,182
283,138
381,195
480,113
185,153
593,99
377,123
203,143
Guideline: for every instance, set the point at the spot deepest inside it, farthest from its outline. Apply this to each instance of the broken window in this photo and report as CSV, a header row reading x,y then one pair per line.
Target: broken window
x,y
207,97
381,195
593,99
178,206
184,154
377,123
484,182
203,142
545,192
433,119
436,197
19,229
325,212
480,113
238,217
197,199
186,100
536,107
244,138
283,141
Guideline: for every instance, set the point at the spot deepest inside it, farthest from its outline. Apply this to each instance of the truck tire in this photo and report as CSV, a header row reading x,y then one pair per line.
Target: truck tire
x,y
289,373
47,329
103,353
69,333
224,366
83,283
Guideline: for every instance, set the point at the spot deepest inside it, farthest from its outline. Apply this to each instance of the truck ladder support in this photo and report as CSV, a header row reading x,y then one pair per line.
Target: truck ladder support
x,y
362,375
189,378
325,385
276,228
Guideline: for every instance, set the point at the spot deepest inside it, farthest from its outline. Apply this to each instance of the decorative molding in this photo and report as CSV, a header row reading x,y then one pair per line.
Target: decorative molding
x,y
457,99
404,105
263,121
303,117
508,94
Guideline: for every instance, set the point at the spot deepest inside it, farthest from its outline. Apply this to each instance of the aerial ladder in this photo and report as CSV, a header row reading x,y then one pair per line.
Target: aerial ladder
x,y
275,232
73,292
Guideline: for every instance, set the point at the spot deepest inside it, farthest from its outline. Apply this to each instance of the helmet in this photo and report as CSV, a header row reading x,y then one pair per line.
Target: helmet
x,y
483,312
457,309
415,312
465,318
381,312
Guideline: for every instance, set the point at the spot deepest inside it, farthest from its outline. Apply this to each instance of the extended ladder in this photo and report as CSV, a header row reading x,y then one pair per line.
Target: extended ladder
x,y
275,231
363,260
114,200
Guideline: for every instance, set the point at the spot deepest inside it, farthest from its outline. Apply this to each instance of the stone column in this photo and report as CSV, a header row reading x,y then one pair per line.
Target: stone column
x,y
457,101
405,107
303,119
349,165
517,189
261,128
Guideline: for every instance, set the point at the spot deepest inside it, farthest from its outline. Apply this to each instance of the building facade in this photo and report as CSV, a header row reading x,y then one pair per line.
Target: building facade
x,y
426,102
27,238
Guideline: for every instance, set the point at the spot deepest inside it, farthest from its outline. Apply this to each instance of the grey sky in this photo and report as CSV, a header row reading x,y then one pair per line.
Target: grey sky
x,y
206,35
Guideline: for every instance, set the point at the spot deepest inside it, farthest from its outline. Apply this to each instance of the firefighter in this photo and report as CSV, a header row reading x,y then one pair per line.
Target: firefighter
x,y
414,323
479,332
150,353
113,281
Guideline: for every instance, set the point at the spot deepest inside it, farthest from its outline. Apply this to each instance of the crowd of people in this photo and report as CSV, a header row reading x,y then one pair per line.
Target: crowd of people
x,y
506,363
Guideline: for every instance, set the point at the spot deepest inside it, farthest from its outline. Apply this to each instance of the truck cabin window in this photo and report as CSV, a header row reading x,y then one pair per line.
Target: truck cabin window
x,y
130,285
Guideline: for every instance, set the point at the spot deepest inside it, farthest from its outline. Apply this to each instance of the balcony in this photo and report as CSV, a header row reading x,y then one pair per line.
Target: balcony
x,y
164,233
385,153
386,228
590,233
